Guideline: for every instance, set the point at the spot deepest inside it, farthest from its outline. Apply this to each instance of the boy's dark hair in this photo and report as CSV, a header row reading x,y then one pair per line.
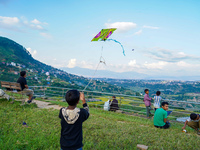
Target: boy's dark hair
x,y
158,93
193,116
113,96
72,97
164,103
22,73
146,90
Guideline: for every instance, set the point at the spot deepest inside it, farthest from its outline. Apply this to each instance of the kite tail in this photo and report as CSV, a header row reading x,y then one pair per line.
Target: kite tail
x,y
118,43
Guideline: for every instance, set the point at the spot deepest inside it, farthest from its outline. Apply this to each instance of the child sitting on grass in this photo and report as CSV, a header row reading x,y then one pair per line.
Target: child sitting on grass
x,y
157,100
71,121
114,104
193,122
160,117
147,102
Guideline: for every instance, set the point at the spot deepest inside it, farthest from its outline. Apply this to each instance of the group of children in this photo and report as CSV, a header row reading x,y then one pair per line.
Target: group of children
x,y
72,118
160,115
147,101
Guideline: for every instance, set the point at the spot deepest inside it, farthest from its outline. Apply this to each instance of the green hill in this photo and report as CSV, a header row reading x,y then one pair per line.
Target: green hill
x,y
102,131
11,51
15,58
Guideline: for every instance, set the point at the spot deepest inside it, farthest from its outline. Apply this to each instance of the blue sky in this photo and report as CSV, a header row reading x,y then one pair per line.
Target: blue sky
x,y
164,34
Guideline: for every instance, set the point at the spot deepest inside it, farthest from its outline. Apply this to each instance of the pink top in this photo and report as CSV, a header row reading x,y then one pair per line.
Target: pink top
x,y
147,100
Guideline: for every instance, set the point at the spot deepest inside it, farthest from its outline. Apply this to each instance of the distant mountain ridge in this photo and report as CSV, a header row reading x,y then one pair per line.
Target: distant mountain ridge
x,y
104,73
124,75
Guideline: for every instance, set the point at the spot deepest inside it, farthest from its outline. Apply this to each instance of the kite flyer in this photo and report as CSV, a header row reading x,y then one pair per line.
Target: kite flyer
x,y
72,119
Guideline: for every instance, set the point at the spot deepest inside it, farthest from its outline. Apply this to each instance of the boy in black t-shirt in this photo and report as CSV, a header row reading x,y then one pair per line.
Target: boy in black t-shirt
x,y
24,87
71,121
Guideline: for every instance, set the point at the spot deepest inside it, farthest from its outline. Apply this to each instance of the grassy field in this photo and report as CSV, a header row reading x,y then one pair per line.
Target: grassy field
x,y
103,130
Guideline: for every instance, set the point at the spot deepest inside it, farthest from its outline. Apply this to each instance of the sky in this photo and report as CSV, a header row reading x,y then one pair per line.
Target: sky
x,y
165,35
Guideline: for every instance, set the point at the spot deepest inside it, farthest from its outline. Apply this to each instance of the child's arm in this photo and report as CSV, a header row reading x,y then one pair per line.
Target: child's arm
x,y
165,117
82,98
146,98
184,125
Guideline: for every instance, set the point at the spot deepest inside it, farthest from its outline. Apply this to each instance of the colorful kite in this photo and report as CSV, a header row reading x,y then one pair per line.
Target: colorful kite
x,y
104,34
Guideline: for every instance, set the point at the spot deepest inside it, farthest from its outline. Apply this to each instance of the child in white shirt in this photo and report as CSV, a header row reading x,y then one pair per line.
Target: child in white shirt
x,y
157,100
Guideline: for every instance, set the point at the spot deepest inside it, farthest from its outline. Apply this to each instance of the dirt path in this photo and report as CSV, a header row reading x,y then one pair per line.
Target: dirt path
x,y
46,105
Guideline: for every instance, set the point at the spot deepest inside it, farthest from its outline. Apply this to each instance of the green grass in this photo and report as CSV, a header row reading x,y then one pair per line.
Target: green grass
x,y
103,130
43,127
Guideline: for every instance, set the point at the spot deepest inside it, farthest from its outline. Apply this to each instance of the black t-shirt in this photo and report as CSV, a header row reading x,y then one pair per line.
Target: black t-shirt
x,y
114,105
22,82
71,134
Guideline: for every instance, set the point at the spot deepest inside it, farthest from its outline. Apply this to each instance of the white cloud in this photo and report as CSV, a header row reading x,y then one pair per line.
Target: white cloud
x,y
152,68
32,52
72,63
150,27
138,32
34,24
183,64
10,23
9,20
132,63
169,56
158,65
29,49
87,65
156,68
121,26
37,27
181,54
22,24
46,35
35,21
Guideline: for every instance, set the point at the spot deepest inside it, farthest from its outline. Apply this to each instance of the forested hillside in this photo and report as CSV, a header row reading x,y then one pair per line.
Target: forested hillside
x,y
15,58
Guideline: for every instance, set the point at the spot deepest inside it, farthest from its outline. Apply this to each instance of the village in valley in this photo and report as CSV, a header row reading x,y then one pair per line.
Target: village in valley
x,y
170,89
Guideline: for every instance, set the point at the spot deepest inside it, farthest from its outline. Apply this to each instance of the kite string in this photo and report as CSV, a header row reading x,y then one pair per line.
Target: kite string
x,y
94,71
92,77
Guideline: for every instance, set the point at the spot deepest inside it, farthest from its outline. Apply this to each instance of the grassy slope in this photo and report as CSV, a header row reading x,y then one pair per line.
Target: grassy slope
x,y
103,130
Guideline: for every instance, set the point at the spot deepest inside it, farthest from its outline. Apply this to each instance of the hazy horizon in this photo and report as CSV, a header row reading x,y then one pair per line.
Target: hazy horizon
x,y
88,73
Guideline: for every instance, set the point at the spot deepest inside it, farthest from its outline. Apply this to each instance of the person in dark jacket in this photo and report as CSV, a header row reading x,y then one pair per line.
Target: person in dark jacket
x,y
72,119
114,104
